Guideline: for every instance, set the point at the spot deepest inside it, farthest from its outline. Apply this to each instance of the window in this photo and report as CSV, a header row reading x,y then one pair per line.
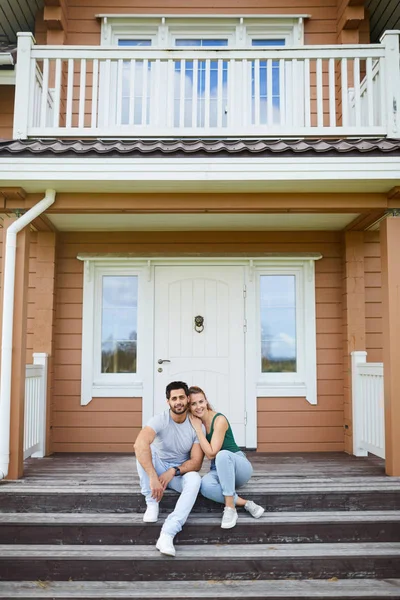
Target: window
x,y
278,323
119,324
286,331
114,341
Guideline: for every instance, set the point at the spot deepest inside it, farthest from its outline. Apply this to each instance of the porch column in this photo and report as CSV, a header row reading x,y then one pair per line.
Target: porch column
x,y
390,250
44,311
354,337
19,349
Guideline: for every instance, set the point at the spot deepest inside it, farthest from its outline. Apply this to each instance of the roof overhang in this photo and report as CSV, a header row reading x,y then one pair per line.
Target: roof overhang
x,y
188,174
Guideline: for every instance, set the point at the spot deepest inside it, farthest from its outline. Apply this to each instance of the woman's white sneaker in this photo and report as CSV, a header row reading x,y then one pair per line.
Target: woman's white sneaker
x,y
165,544
229,518
254,509
151,514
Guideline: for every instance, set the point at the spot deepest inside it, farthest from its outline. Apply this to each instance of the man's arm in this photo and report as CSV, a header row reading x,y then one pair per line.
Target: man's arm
x,y
143,455
195,461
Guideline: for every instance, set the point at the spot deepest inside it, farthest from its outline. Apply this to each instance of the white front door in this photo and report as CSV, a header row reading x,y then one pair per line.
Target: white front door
x,y
211,355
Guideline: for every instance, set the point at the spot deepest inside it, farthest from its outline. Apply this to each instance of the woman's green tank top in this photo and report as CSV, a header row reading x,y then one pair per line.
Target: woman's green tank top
x,y
229,441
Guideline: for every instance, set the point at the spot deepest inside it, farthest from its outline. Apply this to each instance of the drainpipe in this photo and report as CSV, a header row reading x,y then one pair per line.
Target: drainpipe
x,y
7,324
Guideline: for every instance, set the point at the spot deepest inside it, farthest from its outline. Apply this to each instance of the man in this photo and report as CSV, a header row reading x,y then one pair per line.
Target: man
x,y
169,455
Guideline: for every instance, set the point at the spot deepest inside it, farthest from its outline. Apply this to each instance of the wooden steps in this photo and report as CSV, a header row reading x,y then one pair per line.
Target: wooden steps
x,y
273,528
367,589
73,529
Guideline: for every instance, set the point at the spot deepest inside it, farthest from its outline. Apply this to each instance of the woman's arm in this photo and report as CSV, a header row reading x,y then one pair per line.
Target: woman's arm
x,y
212,448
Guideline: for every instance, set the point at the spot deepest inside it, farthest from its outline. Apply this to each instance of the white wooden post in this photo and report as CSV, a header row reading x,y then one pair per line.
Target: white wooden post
x,y
390,40
357,358
23,88
41,358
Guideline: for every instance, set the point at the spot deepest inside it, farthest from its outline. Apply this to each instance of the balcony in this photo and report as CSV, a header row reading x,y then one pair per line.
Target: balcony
x,y
119,92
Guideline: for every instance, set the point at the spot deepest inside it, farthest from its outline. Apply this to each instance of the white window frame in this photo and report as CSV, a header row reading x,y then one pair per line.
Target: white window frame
x,y
95,384
303,383
238,30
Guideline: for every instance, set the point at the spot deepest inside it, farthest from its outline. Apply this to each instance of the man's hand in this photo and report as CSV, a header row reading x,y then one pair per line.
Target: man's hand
x,y
157,488
166,477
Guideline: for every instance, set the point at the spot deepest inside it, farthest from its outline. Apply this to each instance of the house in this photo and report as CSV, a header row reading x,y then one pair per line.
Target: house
x,y
206,191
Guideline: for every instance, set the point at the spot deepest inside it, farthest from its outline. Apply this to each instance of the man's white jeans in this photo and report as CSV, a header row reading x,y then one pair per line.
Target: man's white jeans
x,y
187,485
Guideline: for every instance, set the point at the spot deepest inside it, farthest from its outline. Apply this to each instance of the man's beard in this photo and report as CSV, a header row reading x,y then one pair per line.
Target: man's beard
x,y
179,412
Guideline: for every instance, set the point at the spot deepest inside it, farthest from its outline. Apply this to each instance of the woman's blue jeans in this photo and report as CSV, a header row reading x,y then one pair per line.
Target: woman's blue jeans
x,y
229,471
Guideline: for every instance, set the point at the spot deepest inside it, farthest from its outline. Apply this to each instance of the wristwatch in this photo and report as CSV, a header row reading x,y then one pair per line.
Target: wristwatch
x,y
177,472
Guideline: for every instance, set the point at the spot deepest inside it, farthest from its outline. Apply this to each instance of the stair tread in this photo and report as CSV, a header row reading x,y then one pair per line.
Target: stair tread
x,y
360,588
235,552
202,518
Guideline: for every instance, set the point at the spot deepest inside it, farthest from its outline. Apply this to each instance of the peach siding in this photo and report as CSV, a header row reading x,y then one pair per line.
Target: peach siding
x,y
31,299
373,296
83,28
6,111
110,425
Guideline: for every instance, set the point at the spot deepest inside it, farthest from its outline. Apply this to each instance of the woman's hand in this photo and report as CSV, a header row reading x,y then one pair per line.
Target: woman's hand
x,y
195,422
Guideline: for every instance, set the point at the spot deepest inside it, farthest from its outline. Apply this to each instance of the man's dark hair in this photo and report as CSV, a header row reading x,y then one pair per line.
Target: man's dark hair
x,y
176,385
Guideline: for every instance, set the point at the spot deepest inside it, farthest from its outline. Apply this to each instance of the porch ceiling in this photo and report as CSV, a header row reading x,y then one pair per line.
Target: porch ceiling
x,y
201,222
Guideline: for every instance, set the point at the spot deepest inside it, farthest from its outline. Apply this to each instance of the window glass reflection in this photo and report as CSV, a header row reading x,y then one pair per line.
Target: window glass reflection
x,y
119,324
278,323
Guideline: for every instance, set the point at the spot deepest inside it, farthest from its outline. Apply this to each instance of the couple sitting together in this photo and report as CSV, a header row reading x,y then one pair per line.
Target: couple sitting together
x,y
170,452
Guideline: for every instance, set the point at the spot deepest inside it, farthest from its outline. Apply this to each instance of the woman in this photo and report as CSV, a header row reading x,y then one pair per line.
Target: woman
x,y
230,468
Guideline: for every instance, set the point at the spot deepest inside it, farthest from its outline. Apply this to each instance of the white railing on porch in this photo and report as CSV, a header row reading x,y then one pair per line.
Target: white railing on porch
x,y
35,407
368,406
119,91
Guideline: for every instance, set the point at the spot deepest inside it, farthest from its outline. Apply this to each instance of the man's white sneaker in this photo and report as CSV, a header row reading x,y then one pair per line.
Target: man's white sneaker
x,y
229,518
165,544
254,509
151,514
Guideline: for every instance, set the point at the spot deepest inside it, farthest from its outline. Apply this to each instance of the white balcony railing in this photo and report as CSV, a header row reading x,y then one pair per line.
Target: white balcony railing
x,y
368,406
92,91
35,407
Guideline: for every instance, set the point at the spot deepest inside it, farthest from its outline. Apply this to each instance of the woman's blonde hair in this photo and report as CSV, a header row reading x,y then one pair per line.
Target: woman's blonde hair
x,y
194,389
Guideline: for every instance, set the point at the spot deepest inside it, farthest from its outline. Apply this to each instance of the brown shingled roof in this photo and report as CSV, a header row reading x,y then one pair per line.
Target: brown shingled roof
x,y
199,147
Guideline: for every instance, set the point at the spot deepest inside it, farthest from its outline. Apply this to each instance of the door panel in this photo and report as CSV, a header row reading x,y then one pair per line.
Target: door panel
x,y
213,358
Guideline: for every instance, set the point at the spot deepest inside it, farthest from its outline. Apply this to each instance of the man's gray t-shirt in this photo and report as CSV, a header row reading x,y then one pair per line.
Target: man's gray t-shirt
x,y
173,441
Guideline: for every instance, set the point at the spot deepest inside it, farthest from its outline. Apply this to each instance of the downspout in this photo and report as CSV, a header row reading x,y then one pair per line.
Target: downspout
x,y
7,324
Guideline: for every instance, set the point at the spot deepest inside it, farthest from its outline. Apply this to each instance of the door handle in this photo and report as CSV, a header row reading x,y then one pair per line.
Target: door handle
x,y
163,360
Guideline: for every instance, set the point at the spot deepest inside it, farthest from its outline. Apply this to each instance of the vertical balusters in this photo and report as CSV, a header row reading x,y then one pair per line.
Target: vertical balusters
x,y
182,94
307,91
294,92
57,94
95,85
132,74
194,91
345,92
82,94
106,116
357,90
256,67
120,65
246,91
219,92
70,93
320,94
45,92
370,93
332,93
170,94
270,106
207,94
144,90
282,93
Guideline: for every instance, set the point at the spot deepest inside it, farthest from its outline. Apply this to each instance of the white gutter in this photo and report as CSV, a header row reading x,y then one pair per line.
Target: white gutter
x,y
6,59
7,324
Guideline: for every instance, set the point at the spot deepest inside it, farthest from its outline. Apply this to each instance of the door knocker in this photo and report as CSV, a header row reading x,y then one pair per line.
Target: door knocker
x,y
199,323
